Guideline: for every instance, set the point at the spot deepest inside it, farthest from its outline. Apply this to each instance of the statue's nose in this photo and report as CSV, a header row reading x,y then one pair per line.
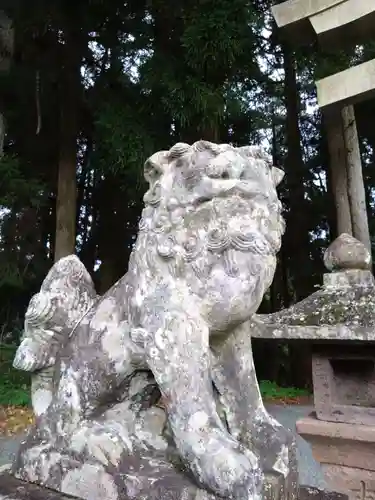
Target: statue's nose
x,y
231,166
237,169
227,166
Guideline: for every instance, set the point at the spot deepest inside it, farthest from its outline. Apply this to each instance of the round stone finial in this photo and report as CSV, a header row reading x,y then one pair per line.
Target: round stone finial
x,y
346,253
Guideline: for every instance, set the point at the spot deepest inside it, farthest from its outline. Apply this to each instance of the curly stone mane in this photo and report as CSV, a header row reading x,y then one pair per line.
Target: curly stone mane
x,y
207,199
175,325
51,315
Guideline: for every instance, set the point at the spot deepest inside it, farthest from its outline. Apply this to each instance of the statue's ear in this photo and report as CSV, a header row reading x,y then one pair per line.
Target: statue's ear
x,y
277,175
154,167
67,277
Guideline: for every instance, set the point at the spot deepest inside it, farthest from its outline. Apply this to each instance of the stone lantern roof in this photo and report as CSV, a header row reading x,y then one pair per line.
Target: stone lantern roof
x,y
342,309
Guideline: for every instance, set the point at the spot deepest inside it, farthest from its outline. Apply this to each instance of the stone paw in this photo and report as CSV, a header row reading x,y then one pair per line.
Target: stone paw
x,y
240,479
105,444
229,470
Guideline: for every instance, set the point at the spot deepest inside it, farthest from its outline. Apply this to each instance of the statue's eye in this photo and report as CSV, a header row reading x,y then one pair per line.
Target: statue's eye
x,y
224,175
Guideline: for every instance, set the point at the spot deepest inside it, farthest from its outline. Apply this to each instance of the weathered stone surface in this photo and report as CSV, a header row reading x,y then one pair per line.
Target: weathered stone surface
x,y
14,489
347,252
203,259
360,483
346,453
309,493
342,309
349,306
344,383
67,293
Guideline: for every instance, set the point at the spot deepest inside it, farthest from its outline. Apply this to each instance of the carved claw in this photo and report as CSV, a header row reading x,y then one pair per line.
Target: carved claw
x,y
226,468
236,475
239,475
102,442
105,449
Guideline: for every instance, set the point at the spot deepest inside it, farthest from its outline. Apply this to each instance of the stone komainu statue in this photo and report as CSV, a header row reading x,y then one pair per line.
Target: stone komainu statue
x,y
174,327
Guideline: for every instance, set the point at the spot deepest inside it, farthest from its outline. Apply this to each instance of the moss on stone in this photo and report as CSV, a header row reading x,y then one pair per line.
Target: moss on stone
x,y
351,306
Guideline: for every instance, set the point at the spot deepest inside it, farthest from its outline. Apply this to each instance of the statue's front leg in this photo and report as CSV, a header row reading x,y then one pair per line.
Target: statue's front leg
x,y
235,378
177,351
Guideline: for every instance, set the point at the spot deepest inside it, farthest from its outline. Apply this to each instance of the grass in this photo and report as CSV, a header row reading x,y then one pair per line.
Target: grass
x,y
14,384
270,390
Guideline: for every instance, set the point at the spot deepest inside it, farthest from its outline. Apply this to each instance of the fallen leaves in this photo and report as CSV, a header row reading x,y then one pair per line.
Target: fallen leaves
x,y
15,419
287,400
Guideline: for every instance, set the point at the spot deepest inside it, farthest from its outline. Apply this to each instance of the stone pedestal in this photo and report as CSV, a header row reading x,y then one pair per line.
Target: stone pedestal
x,y
345,452
15,489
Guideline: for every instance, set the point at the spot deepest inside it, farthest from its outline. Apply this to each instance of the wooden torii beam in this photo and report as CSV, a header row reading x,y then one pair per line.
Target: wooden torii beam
x,y
338,23
351,86
335,22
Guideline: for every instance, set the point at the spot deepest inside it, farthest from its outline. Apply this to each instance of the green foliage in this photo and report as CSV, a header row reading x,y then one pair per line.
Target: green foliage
x,y
123,142
14,384
17,189
271,390
13,393
217,33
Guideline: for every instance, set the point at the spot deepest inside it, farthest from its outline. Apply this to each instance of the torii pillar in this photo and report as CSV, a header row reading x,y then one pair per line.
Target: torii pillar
x,y
339,23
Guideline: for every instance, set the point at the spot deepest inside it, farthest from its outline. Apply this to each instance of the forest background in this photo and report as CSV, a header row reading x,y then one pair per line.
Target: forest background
x,y
89,89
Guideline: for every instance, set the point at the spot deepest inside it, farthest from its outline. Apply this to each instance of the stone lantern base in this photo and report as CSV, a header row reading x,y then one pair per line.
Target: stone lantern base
x,y
345,452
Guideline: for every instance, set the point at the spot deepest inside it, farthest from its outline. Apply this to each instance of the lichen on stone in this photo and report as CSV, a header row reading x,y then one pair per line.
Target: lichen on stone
x,y
351,306
203,259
